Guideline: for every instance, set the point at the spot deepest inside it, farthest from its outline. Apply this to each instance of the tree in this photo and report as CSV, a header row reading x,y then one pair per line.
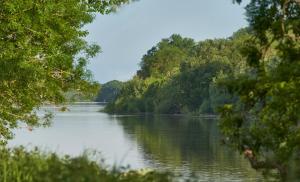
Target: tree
x,y
266,125
178,76
109,91
164,59
43,54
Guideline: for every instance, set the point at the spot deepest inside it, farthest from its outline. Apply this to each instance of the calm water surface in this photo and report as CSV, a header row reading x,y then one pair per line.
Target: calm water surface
x,y
190,146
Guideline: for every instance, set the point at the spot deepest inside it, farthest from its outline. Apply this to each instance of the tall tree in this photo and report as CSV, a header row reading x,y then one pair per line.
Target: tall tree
x,y
43,54
164,59
266,126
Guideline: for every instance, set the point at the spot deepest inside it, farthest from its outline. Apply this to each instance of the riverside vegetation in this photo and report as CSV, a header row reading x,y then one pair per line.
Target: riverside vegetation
x,y
20,165
251,78
40,43
180,76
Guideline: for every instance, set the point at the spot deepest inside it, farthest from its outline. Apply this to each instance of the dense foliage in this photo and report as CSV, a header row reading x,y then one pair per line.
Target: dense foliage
x,y
43,54
265,126
254,74
179,76
109,91
19,165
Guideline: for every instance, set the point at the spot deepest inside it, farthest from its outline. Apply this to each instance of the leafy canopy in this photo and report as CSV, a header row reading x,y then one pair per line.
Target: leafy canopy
x,y
266,126
178,76
43,54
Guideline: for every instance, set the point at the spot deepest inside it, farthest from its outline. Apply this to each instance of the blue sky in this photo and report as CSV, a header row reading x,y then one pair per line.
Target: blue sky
x,y
126,36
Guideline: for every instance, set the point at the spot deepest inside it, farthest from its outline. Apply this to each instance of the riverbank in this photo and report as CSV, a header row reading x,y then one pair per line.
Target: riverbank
x,y
186,146
189,115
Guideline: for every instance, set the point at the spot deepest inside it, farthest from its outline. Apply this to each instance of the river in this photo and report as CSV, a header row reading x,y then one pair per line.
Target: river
x,y
187,146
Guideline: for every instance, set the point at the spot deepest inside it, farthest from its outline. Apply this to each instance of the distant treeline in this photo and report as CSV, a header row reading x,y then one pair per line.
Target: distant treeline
x,y
109,91
179,76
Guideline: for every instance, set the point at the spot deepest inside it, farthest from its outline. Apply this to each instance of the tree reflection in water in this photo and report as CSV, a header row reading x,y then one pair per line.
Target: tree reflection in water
x,y
189,146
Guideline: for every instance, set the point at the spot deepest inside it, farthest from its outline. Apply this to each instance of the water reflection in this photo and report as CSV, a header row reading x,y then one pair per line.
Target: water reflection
x,y
187,145
183,145
82,128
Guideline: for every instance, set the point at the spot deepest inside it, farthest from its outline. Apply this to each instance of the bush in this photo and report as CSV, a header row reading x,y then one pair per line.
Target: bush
x,y
20,165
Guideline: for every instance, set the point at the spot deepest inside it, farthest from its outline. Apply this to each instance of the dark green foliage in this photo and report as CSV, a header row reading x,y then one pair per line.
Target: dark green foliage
x,y
19,165
43,54
178,76
265,126
164,59
195,83
109,91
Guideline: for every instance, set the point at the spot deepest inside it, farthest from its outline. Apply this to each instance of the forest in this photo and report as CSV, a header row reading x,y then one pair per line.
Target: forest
x,y
250,81
181,76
